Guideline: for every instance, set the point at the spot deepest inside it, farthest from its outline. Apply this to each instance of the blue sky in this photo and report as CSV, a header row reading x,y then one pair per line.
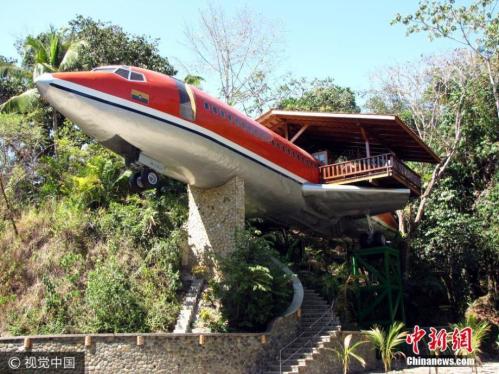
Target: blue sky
x,y
346,40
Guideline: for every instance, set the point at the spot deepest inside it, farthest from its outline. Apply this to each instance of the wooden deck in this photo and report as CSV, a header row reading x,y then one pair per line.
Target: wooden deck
x,y
382,168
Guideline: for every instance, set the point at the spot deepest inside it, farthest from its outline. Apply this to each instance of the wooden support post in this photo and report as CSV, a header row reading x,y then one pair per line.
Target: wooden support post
x,y
263,339
201,339
366,140
28,344
140,340
88,341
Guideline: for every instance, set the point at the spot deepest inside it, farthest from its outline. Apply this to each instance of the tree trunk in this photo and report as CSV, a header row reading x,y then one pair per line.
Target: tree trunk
x,y
9,207
493,83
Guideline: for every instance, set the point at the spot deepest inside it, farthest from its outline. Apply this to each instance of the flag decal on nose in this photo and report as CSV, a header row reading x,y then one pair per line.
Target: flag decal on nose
x,y
140,96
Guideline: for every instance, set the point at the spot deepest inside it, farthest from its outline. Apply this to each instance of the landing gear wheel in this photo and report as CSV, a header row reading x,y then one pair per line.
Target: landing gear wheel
x,y
149,178
135,182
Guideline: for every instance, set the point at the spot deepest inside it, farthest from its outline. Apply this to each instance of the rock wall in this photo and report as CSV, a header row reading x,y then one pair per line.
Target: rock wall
x,y
215,215
166,353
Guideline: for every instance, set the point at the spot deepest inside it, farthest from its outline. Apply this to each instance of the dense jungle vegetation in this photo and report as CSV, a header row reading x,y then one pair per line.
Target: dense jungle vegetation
x,y
79,253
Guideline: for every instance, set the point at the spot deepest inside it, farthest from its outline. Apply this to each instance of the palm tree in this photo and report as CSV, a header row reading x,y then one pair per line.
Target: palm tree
x,y
50,56
479,332
345,352
387,343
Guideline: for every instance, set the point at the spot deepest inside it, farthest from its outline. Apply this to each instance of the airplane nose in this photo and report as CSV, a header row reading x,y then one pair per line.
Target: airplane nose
x,y
43,82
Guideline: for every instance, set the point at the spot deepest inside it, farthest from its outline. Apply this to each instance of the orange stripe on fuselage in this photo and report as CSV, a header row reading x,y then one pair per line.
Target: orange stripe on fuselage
x,y
247,133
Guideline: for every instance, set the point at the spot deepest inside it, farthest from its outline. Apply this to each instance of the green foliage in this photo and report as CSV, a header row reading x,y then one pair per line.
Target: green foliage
x,y
252,289
114,306
158,281
320,95
347,351
387,342
480,330
71,205
194,80
478,22
108,44
213,319
13,80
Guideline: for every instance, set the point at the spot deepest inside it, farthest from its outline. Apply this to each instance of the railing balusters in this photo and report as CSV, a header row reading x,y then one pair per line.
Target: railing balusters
x,y
366,166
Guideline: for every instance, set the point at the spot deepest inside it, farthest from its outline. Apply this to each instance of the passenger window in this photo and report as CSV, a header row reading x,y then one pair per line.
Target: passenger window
x,y
122,73
136,77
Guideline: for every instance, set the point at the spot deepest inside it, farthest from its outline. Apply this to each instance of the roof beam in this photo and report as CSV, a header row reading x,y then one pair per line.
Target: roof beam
x,y
298,134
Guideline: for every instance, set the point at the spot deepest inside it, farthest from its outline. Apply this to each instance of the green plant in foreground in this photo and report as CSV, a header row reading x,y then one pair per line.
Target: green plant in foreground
x,y
387,342
480,331
345,352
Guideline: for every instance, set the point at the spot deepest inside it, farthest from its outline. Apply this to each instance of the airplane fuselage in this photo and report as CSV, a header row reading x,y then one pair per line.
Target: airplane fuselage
x,y
184,133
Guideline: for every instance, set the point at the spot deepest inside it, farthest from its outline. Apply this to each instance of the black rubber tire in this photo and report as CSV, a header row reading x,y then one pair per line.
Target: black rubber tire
x,y
135,183
149,178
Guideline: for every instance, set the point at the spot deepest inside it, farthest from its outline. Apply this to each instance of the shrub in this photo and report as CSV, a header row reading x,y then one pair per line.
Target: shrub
x,y
252,288
213,319
114,306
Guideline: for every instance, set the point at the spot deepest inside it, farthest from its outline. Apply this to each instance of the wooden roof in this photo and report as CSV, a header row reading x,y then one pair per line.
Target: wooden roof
x,y
344,131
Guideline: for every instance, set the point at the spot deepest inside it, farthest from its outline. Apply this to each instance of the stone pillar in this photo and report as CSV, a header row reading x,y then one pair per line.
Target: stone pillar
x,y
215,215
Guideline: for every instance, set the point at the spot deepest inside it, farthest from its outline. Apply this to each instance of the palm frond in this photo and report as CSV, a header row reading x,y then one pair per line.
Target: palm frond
x,y
23,103
37,48
480,330
345,352
12,70
54,50
72,55
387,342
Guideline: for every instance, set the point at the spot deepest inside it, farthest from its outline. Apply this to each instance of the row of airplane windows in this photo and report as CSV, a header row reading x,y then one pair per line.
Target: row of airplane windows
x,y
293,153
240,122
258,133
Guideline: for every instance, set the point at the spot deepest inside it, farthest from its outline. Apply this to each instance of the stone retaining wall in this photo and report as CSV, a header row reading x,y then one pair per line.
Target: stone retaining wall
x,y
166,353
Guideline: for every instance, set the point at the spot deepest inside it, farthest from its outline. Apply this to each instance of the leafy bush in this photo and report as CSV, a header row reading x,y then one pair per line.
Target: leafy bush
x,y
114,306
252,288
213,319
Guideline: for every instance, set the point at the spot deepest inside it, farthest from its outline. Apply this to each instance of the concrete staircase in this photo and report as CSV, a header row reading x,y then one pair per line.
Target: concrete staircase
x,y
189,305
317,323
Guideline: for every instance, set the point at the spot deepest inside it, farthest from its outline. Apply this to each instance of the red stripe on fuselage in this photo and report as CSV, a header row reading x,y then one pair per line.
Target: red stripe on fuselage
x,y
164,96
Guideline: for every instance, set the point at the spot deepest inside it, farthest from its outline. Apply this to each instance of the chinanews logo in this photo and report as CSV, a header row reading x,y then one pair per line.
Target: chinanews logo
x,y
444,348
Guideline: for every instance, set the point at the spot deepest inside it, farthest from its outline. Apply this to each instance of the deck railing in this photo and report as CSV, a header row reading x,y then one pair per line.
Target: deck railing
x,y
376,166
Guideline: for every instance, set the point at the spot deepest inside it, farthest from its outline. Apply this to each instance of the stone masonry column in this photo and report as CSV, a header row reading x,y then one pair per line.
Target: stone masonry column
x,y
215,215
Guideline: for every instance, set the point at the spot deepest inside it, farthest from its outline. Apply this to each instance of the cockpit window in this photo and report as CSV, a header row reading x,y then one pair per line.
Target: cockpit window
x,y
123,72
136,77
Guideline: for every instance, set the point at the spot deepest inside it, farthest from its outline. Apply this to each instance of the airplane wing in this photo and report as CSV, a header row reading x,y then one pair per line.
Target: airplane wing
x,y
336,201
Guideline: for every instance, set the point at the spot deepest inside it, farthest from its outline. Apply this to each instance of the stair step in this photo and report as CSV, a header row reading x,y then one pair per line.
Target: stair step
x,y
285,368
317,325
